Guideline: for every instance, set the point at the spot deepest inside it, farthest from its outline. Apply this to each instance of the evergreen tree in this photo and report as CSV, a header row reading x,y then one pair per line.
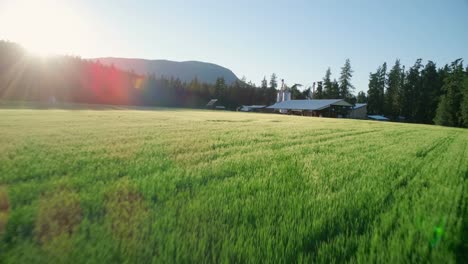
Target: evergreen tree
x,y
273,81
449,111
429,95
264,84
361,98
335,90
464,106
376,92
327,84
319,94
443,117
220,88
345,86
411,92
392,98
373,106
381,84
263,94
272,89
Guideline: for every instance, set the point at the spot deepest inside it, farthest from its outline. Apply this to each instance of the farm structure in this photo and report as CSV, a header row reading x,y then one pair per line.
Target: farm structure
x,y
252,108
359,111
314,107
378,118
214,104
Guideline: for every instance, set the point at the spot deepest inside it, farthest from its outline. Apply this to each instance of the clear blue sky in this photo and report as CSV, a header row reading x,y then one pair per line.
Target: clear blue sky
x,y
296,39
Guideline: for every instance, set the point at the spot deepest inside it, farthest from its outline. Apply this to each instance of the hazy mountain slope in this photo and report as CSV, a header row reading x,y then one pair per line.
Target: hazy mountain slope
x,y
186,71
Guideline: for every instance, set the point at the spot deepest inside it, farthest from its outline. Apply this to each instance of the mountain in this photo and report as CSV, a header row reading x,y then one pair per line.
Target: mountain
x,y
185,71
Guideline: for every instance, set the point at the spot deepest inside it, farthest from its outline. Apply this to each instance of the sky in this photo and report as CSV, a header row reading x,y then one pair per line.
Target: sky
x,y
296,39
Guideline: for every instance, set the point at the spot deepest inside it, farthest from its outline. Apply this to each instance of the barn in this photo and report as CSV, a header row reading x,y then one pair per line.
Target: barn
x,y
314,107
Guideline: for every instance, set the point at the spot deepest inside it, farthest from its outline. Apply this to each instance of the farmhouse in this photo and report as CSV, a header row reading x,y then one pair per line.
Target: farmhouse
x,y
359,111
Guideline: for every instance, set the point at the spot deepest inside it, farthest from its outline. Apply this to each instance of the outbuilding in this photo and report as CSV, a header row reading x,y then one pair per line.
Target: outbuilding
x,y
378,118
252,108
359,111
214,104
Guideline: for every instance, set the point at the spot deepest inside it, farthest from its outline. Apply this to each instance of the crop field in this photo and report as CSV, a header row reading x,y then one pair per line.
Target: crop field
x,y
194,186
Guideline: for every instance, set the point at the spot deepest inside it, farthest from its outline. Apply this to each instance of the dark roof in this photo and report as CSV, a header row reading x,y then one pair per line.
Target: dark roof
x,y
356,106
378,117
316,104
255,106
212,102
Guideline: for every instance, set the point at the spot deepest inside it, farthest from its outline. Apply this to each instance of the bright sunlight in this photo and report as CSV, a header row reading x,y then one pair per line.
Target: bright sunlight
x,y
45,27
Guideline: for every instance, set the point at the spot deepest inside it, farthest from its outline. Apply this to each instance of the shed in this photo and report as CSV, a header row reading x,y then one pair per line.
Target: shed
x,y
359,111
214,104
251,108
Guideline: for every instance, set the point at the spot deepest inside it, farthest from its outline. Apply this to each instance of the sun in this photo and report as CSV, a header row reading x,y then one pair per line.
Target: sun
x,y
44,27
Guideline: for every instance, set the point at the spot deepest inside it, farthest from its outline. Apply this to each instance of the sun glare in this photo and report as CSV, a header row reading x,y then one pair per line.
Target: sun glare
x,y
43,27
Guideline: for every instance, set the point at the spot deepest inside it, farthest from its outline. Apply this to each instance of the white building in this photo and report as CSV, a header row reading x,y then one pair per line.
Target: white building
x,y
283,95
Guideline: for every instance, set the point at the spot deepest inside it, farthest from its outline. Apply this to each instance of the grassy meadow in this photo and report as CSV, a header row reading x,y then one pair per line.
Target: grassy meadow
x,y
187,186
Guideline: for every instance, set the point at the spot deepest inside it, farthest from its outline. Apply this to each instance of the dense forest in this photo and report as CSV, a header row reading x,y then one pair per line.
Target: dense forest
x,y
421,94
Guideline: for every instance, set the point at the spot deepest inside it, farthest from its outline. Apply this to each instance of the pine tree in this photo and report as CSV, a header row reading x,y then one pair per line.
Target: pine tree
x,y
381,84
377,82
335,90
220,88
443,117
373,106
272,89
411,92
464,106
361,98
449,111
264,84
392,98
430,93
345,86
273,81
319,94
327,85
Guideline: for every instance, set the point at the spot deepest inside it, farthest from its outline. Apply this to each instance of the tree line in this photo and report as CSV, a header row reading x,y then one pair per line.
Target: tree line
x,y
335,89
422,94
72,79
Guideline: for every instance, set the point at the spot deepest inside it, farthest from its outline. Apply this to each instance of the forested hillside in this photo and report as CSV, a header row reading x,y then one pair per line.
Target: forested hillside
x,y
186,71
71,79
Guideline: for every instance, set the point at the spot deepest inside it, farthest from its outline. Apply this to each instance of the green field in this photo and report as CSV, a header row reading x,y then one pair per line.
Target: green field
x,y
163,186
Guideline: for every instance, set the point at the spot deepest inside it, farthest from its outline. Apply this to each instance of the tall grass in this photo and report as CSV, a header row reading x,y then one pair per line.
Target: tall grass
x,y
187,186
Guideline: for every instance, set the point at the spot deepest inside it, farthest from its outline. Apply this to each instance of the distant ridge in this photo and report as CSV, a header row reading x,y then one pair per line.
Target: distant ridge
x,y
185,71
